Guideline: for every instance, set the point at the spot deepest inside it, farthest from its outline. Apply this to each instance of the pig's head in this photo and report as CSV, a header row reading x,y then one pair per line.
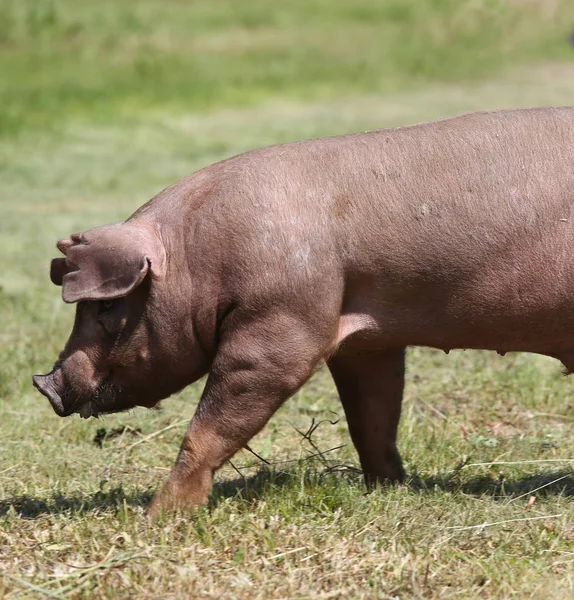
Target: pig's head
x,y
120,353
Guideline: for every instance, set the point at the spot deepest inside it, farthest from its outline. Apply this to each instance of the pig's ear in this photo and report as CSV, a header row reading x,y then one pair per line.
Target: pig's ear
x,y
107,262
58,269
60,266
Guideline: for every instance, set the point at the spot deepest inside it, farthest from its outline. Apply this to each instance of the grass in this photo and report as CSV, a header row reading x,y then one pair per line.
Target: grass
x,y
107,60
79,151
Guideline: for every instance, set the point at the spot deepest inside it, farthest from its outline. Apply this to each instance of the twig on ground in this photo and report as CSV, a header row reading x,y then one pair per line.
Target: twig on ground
x,y
482,525
282,554
293,460
152,435
538,488
519,462
318,453
552,416
10,468
247,447
308,436
343,469
461,465
35,588
236,470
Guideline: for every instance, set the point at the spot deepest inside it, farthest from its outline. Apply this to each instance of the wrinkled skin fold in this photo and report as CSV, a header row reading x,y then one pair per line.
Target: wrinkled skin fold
x,y
346,250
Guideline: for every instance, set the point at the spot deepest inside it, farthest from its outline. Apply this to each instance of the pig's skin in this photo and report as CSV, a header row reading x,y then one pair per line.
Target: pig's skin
x,y
453,234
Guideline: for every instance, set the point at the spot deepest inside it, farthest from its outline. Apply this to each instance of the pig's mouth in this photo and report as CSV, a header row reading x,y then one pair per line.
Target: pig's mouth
x,y
108,398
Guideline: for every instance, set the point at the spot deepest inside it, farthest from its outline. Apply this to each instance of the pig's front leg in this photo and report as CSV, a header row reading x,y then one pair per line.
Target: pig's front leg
x,y
257,367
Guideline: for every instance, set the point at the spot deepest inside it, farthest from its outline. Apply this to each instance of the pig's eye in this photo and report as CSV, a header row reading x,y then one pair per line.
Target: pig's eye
x,y
108,316
106,305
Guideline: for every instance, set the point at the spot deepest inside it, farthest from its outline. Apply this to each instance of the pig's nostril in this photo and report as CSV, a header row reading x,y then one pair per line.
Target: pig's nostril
x,y
39,382
45,385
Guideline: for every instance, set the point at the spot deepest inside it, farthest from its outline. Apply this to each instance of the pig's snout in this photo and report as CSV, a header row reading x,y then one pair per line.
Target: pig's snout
x,y
49,385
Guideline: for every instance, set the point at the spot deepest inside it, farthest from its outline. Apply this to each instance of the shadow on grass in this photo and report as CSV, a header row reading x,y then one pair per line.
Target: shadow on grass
x,y
114,499
545,484
266,481
31,507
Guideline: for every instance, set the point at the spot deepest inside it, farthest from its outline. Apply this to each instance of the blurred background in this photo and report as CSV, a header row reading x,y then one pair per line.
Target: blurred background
x,y
112,62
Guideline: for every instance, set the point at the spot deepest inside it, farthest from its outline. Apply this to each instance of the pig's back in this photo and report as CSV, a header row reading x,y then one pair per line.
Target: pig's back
x,y
464,228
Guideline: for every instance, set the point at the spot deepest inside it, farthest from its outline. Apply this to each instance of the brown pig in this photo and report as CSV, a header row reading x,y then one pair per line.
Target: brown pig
x,y
457,233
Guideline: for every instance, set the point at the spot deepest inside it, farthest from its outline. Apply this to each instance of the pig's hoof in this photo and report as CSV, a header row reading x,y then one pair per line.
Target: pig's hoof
x,y
166,506
172,500
159,509
155,510
390,473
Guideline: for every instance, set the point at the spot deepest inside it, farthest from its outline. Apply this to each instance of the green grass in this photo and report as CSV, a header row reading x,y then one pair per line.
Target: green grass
x,y
87,138
104,61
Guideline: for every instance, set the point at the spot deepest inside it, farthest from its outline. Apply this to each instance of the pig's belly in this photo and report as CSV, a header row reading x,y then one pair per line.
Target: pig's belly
x,y
449,317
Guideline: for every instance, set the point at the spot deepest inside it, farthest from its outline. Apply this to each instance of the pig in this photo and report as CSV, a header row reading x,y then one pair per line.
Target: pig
x,y
254,271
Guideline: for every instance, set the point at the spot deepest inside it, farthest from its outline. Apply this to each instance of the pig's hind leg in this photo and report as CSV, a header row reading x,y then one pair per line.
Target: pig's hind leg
x,y
370,385
257,367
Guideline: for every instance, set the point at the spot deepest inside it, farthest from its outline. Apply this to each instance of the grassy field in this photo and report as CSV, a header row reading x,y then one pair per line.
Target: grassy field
x,y
104,103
